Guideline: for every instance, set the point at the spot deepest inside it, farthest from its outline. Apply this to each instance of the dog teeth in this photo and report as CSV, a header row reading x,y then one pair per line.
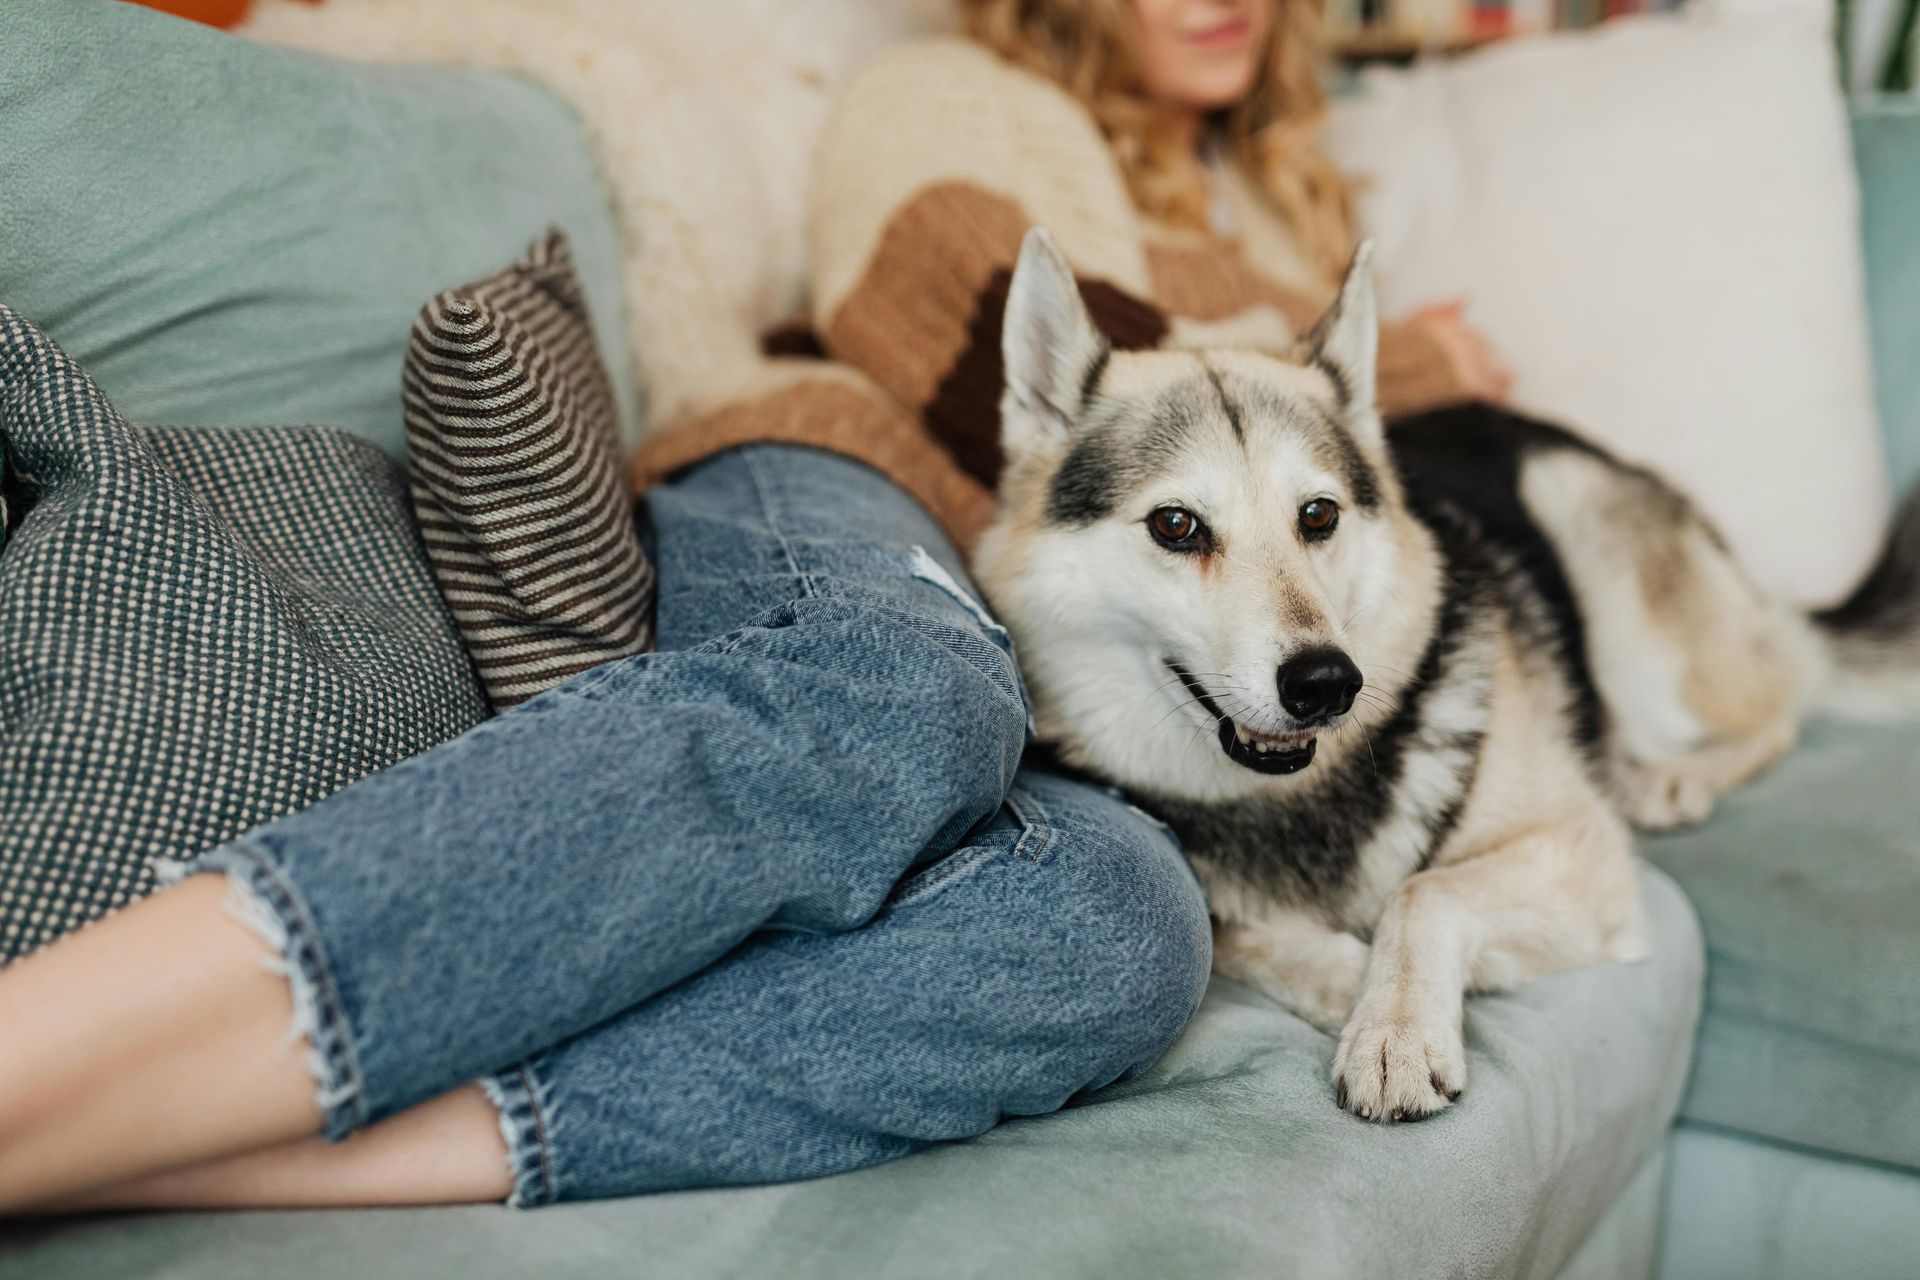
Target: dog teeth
x,y
1239,731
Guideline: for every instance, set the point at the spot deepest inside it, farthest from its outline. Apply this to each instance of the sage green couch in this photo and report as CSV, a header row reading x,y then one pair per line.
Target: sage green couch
x,y
1798,1148
231,234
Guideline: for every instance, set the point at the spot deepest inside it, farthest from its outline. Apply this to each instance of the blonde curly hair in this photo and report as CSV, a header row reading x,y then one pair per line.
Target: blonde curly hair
x,y
1087,47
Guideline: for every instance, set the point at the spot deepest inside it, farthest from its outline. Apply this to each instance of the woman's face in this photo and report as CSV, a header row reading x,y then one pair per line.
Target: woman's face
x,y
1201,55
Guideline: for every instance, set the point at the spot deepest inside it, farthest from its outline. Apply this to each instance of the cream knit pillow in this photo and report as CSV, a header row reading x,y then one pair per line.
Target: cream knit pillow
x,y
702,114
1657,224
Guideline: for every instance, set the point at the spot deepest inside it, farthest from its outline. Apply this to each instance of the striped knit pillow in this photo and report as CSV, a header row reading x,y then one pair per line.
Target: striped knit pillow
x,y
517,481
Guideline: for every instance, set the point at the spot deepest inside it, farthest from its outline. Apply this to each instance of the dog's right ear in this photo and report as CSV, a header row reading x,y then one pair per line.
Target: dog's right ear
x,y
1052,352
1345,344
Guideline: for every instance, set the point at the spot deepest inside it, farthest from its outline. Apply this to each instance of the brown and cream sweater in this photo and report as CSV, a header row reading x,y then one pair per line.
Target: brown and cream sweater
x,y
937,159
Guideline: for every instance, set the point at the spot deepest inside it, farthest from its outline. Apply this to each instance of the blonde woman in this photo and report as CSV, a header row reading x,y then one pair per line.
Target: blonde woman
x,y
781,899
1169,145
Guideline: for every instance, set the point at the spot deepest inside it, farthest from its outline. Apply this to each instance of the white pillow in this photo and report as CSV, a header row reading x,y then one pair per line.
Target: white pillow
x,y
1656,223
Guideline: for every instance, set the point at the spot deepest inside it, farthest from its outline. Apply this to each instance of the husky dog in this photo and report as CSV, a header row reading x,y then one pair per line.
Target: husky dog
x,y
1400,700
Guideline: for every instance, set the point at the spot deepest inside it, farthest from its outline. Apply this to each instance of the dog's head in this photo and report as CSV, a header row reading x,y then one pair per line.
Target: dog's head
x,y
1203,556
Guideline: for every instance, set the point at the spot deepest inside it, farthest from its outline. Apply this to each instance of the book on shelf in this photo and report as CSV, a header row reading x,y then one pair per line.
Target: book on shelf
x,y
1404,28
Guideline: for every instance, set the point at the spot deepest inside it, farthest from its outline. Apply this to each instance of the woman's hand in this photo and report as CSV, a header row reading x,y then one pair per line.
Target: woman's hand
x,y
1476,367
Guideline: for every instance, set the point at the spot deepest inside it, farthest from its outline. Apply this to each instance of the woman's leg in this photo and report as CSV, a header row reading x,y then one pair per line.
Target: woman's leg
x,y
447,1151
98,1031
835,709
1062,946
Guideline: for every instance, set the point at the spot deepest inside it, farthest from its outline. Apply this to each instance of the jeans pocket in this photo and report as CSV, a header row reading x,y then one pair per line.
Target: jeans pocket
x,y
1019,828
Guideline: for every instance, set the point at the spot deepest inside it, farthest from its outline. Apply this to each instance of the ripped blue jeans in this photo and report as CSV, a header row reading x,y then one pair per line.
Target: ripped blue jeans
x,y
775,901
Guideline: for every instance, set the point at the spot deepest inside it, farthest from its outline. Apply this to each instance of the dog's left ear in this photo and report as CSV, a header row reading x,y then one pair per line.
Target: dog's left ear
x,y
1345,343
1050,347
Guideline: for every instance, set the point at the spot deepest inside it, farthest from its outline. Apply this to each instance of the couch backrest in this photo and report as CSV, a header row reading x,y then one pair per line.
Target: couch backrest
x,y
1886,142
226,234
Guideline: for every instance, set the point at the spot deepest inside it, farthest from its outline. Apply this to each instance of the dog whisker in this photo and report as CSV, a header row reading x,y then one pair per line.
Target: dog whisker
x,y
1155,691
1190,702
1407,676
1368,739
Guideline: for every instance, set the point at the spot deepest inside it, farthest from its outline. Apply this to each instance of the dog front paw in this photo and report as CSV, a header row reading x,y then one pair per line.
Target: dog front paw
x,y
1660,797
1398,1066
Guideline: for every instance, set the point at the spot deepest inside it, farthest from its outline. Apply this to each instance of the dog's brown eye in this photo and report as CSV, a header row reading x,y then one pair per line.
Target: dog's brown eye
x,y
1177,529
1318,517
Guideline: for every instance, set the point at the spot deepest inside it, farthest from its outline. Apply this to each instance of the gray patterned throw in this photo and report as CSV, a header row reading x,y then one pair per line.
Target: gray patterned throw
x,y
200,630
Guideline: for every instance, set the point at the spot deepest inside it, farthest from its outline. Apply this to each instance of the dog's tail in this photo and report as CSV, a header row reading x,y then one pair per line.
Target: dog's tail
x,y
1870,643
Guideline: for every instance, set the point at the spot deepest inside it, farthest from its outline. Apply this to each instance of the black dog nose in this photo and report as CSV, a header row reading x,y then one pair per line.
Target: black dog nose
x,y
1318,684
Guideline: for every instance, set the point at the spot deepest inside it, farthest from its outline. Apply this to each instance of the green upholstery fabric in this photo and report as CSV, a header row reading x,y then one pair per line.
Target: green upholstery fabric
x,y
225,233
1228,1159
1625,1243
1744,1210
1886,143
1808,889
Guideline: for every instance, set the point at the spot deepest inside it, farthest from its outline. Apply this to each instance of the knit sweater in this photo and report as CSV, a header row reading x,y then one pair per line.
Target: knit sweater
x,y
937,158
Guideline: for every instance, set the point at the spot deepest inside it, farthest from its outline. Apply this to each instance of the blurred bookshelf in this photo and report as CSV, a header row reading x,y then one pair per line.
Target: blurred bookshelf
x,y
1362,31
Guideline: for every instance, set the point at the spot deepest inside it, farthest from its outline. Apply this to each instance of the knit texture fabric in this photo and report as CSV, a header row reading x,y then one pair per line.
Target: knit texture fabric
x,y
517,478
200,630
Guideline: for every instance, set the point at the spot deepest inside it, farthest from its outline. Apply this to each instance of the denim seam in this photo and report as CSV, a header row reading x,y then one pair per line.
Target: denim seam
x,y
949,867
1035,820
778,615
1025,808
773,524
542,1143
769,618
516,1094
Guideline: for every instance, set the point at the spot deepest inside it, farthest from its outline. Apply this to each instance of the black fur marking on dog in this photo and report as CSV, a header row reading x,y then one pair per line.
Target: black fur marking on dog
x,y
1342,454
1227,405
1177,418
1468,458
1306,848
1090,382
1362,485
1113,453
1330,439
1886,604
1084,489
1342,385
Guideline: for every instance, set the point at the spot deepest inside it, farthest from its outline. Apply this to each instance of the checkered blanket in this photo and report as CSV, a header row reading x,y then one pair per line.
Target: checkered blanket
x,y
200,630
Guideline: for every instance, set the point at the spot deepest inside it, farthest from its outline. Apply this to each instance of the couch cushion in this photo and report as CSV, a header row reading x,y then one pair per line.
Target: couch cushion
x,y
199,631
1227,1159
518,481
226,233
1738,1209
1808,889
1656,222
1886,144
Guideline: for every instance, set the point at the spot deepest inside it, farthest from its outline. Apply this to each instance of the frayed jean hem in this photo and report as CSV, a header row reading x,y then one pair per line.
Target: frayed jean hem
x,y
261,898
521,1098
